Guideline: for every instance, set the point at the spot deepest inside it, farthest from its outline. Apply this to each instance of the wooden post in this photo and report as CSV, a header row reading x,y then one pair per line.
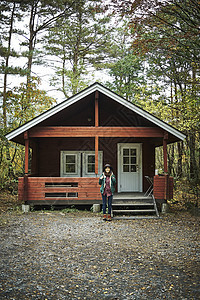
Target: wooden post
x,y
25,193
26,151
96,137
166,190
96,153
165,152
96,109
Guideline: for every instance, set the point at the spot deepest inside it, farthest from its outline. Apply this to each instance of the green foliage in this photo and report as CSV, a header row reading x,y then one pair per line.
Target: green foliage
x,y
70,209
23,104
165,35
78,43
26,102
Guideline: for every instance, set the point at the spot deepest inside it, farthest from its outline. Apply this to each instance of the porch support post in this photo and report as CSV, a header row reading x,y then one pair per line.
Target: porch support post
x,y
166,189
96,109
165,152
96,136
25,192
96,153
26,151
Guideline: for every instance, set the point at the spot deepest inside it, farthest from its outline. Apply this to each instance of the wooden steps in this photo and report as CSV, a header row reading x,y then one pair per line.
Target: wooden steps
x,y
133,206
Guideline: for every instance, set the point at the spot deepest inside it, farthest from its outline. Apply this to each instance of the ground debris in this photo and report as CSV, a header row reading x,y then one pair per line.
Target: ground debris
x,y
78,256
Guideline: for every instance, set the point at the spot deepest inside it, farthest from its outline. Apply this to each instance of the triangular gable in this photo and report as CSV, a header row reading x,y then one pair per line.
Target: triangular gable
x,y
86,92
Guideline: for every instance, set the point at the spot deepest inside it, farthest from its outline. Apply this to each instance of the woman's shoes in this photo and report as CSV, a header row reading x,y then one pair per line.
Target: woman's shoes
x,y
109,218
104,217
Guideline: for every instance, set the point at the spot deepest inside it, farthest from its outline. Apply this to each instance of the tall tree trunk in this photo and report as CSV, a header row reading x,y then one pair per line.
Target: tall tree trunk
x,y
6,69
180,154
193,169
171,160
10,167
32,42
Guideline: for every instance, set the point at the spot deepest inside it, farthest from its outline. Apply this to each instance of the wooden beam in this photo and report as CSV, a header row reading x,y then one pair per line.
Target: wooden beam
x,y
96,154
26,151
165,152
96,131
96,109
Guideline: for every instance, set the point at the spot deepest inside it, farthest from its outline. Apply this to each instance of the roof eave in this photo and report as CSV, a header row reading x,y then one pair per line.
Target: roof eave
x,y
86,92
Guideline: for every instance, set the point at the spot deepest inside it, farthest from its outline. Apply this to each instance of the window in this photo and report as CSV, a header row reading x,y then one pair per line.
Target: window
x,y
89,163
129,160
70,164
79,163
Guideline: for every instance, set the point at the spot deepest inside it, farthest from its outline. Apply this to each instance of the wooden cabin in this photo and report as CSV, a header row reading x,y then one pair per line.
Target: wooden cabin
x,y
72,141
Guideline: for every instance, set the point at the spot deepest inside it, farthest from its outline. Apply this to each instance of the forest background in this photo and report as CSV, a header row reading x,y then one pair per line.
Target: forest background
x,y
146,51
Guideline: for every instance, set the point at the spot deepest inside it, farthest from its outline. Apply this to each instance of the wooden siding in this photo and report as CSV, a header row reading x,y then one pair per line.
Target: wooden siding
x,y
48,162
57,190
96,131
163,187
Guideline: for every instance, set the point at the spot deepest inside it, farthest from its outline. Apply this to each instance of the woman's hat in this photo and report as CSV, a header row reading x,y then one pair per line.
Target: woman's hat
x,y
107,165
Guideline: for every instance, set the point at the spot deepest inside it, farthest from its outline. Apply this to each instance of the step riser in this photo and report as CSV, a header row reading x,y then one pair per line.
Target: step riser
x,y
134,211
129,208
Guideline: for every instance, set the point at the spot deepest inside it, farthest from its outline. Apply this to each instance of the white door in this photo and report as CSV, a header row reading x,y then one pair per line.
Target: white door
x,y
129,167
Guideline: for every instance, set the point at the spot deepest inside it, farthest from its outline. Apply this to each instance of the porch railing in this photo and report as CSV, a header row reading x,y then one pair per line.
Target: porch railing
x,y
59,190
163,187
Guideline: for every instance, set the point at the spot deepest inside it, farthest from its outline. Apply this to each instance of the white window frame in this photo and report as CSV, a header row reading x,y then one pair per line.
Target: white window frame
x,y
85,172
77,154
63,163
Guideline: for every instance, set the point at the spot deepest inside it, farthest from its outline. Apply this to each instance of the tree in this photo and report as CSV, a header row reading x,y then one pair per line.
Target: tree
x,y
42,16
167,34
78,43
19,112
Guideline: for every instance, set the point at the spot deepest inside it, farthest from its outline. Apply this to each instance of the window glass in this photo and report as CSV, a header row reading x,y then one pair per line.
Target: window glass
x,y
70,158
91,159
70,166
126,152
133,160
125,168
133,168
91,163
125,160
133,152
129,160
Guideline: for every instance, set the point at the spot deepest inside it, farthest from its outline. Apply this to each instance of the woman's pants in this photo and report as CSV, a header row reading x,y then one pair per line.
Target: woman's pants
x,y
104,199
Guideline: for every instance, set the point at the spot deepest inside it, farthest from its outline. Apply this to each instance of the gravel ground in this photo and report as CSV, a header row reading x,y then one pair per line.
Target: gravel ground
x,y
78,256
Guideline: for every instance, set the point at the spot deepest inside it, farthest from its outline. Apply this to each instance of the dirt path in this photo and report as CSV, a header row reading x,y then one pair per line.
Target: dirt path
x,y
77,256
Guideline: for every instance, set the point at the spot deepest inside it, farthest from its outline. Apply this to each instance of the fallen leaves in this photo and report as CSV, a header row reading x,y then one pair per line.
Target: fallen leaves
x,y
63,257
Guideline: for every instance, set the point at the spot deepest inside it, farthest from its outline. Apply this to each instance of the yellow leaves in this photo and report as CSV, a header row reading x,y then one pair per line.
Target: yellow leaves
x,y
105,290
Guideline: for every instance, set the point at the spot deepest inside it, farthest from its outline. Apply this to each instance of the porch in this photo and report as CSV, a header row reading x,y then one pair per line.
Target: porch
x,y
59,190
83,190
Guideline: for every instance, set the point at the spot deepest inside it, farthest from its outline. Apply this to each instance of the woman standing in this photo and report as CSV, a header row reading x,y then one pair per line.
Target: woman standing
x,y
107,181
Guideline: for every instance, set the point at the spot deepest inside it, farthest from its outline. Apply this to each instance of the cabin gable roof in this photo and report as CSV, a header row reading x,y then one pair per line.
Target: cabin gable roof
x,y
85,93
